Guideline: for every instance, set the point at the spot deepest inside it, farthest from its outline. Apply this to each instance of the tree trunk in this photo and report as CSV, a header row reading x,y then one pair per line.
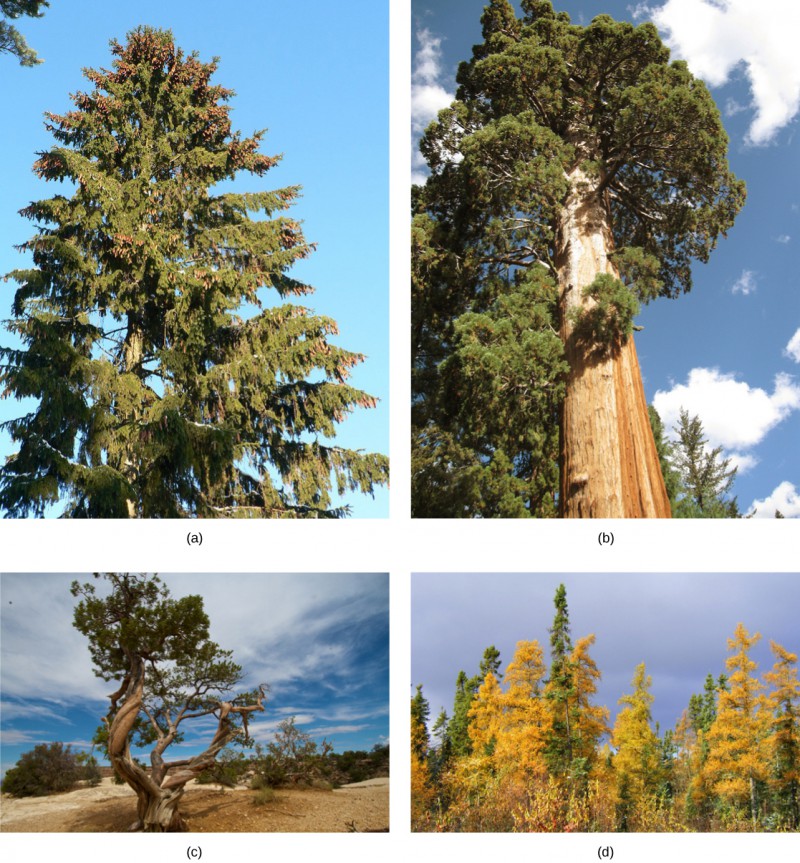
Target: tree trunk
x,y
609,463
158,813
133,355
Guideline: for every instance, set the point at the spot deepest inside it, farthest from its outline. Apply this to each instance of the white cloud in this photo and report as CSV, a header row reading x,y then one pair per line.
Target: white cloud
x,y
784,498
280,627
742,462
717,36
783,238
792,350
735,415
745,284
732,107
428,96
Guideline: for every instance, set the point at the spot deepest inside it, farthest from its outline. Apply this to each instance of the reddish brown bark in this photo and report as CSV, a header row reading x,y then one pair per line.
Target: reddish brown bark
x,y
609,463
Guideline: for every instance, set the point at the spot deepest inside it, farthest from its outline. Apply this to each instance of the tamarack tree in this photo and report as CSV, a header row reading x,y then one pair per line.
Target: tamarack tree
x,y
577,174
165,386
169,672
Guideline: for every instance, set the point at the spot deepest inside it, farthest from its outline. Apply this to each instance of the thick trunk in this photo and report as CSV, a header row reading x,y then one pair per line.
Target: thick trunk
x,y
609,463
158,813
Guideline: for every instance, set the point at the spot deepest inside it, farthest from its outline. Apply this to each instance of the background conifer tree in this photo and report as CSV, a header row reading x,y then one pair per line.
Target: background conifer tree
x,y
11,40
165,386
705,476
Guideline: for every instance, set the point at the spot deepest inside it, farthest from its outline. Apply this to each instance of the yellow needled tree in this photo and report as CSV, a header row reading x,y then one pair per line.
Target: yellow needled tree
x,y
636,762
783,706
736,761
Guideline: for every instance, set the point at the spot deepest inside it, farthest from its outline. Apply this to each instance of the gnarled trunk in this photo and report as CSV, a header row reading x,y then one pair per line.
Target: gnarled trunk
x,y
609,463
159,813
159,792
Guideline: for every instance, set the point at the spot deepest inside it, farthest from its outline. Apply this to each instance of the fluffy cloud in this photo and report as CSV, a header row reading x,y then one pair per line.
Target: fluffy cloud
x,y
792,350
734,414
785,498
745,284
428,95
717,36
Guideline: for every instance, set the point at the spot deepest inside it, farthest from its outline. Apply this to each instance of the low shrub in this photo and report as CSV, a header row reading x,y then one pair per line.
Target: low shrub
x,y
47,769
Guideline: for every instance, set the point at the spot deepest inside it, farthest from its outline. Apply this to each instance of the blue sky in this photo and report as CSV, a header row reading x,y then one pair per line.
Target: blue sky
x,y
315,74
321,642
678,624
729,351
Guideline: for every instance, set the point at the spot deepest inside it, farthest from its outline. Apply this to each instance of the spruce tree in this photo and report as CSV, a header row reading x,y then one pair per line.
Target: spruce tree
x,y
166,386
561,692
577,175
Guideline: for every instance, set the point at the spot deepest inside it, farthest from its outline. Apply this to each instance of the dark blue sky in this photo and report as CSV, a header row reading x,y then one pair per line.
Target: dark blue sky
x,y
321,642
729,351
676,623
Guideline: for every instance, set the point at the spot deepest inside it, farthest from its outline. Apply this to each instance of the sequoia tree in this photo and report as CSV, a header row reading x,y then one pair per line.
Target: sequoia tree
x,y
577,174
158,650
166,386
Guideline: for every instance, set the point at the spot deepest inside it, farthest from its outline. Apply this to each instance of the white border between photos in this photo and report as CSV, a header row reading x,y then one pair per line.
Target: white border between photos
x,y
400,546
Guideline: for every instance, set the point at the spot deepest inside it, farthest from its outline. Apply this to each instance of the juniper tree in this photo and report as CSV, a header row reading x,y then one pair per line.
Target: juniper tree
x,y
166,384
169,672
577,174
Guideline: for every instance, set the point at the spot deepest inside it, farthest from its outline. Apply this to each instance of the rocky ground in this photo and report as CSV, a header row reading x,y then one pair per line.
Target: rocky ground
x,y
108,808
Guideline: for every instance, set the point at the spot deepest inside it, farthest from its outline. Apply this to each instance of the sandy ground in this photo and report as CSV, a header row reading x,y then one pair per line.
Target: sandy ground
x,y
108,808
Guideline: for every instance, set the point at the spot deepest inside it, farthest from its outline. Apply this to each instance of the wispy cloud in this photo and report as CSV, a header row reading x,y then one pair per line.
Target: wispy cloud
x,y
745,284
792,350
716,37
428,94
783,238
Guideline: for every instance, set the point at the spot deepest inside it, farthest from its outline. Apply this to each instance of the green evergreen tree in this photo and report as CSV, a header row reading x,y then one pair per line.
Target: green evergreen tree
x,y
165,386
560,691
458,727
11,40
420,713
524,379
705,476
672,480
490,664
440,757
